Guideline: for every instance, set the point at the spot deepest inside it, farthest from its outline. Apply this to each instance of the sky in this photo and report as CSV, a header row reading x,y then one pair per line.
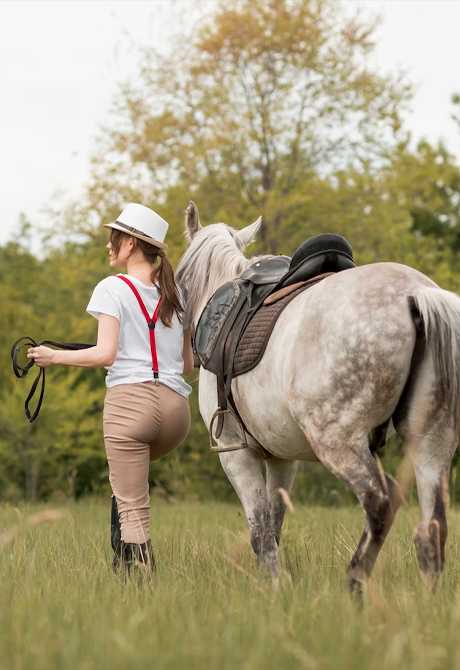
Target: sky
x,y
61,62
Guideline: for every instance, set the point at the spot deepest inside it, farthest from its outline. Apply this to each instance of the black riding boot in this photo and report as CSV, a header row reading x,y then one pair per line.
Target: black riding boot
x,y
131,555
128,554
115,528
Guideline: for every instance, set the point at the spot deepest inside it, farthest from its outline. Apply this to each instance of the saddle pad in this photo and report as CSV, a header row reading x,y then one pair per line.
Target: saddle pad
x,y
254,339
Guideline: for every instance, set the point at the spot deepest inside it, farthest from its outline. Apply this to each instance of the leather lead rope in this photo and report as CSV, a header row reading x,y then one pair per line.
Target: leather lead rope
x,y
21,371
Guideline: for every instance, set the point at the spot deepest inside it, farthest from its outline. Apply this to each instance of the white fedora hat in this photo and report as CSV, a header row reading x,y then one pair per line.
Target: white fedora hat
x,y
142,222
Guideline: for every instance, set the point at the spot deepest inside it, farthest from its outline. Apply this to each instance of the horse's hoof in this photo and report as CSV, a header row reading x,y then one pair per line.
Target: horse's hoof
x,y
357,582
427,543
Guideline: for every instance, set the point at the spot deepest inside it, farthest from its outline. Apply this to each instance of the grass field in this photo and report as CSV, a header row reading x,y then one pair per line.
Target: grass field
x,y
208,606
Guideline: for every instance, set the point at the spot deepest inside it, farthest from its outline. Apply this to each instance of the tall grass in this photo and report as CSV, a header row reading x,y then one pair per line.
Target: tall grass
x,y
208,606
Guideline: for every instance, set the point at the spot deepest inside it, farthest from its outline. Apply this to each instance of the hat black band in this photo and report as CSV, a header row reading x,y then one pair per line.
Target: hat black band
x,y
133,230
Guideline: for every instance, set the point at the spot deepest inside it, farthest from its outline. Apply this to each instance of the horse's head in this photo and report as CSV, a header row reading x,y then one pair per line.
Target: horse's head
x,y
241,238
214,256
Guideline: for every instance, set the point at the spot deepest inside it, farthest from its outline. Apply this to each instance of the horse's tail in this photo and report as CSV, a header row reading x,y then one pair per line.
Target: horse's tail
x,y
440,313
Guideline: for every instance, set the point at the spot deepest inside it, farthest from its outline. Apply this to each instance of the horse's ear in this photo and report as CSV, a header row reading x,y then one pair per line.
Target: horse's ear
x,y
192,220
248,234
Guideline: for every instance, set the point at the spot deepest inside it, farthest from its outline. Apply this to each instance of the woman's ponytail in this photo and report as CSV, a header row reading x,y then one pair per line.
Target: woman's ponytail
x,y
163,276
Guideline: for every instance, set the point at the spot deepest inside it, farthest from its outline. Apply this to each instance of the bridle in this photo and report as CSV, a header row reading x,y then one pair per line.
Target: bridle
x,y
21,371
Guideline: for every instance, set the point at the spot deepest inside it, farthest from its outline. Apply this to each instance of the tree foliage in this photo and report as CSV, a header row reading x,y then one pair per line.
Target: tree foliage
x,y
262,96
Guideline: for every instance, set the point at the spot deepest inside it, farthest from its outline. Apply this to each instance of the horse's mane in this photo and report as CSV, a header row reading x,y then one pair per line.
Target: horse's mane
x,y
213,257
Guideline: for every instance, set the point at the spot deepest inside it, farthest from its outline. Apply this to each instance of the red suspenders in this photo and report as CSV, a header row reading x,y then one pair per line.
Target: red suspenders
x,y
150,322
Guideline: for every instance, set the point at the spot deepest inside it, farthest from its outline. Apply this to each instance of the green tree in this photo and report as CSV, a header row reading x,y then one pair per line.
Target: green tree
x,y
46,299
429,181
43,457
265,95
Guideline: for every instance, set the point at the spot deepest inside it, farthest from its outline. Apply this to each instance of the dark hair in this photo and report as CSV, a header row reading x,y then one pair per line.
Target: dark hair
x,y
162,276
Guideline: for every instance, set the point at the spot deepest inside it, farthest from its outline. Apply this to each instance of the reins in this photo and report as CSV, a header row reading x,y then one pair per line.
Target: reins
x,y
21,371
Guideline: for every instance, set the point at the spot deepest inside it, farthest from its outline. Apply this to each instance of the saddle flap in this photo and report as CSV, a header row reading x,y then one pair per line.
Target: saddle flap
x,y
213,319
267,271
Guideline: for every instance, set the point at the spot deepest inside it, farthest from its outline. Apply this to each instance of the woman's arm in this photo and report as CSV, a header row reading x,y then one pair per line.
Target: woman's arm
x,y
101,356
187,353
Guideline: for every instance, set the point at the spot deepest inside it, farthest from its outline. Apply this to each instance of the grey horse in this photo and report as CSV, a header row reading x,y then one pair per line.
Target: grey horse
x,y
367,345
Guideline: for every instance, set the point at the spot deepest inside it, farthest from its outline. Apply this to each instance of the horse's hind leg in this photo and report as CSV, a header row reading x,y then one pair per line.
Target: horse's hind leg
x,y
380,499
430,442
430,540
427,429
246,469
347,456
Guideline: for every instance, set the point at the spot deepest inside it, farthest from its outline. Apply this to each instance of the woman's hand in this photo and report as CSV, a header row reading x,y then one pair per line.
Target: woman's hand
x,y
44,357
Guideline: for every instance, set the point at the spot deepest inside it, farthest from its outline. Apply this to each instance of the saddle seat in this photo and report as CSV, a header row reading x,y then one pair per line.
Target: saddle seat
x,y
233,331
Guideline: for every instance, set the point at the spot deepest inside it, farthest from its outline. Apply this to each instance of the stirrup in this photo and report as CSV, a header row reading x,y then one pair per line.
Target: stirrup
x,y
231,447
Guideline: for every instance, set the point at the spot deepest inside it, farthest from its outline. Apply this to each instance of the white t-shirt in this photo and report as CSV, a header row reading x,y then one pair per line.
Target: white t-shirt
x,y
133,363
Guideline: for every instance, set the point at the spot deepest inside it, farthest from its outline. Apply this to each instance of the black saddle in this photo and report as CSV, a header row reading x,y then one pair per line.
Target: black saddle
x,y
318,255
230,310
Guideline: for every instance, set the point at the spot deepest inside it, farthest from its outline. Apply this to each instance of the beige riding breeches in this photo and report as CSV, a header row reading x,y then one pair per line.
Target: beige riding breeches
x,y
142,422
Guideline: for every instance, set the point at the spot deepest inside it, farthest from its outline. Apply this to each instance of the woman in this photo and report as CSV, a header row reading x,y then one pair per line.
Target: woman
x,y
142,343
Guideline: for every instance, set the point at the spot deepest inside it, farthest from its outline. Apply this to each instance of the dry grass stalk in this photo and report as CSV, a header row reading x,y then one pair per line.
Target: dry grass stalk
x,y
35,520
378,600
286,499
405,475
